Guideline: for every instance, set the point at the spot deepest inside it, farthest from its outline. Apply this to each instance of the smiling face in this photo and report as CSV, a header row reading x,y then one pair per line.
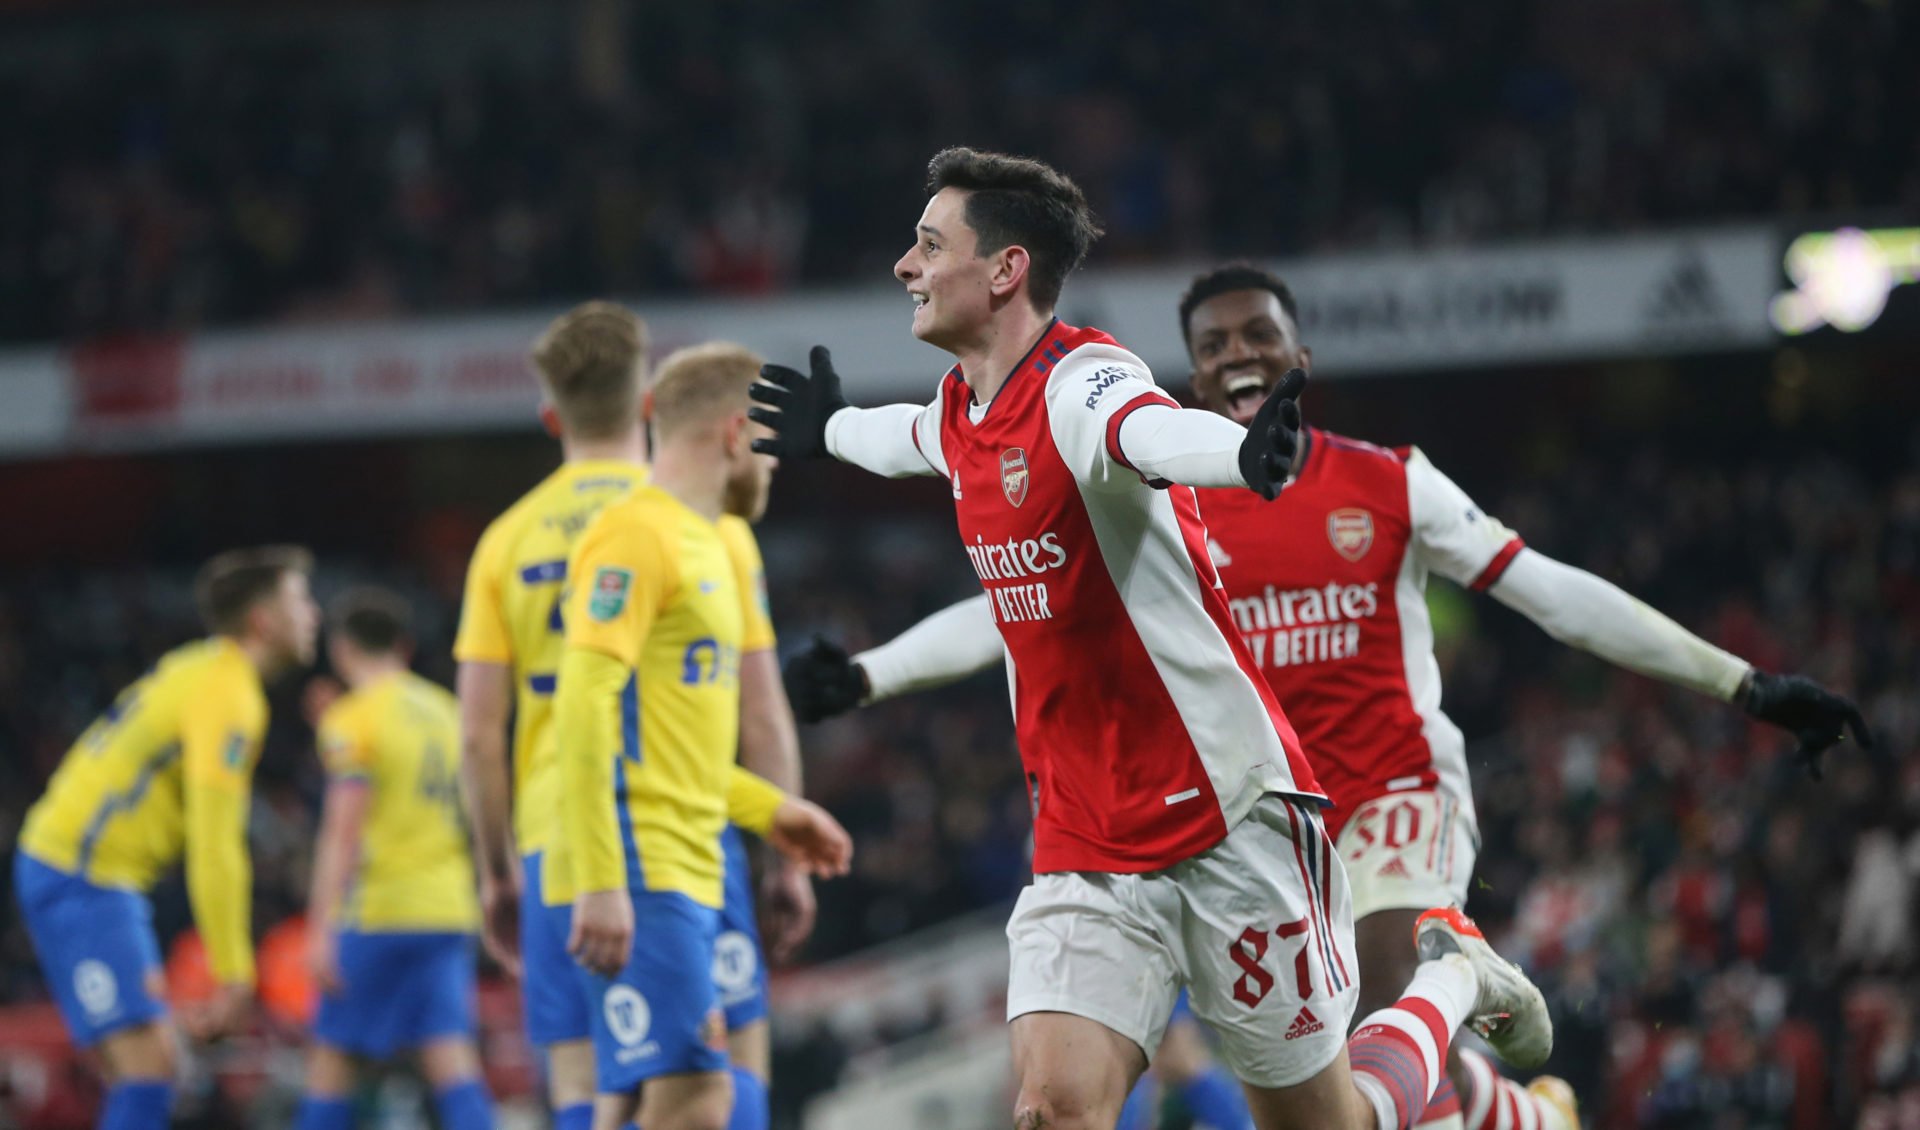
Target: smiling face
x,y
1241,343
950,283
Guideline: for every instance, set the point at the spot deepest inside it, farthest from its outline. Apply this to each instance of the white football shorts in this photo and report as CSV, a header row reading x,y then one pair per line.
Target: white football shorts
x,y
1258,928
1409,851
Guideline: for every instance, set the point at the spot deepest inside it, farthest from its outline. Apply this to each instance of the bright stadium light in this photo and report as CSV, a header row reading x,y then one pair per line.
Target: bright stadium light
x,y
1842,278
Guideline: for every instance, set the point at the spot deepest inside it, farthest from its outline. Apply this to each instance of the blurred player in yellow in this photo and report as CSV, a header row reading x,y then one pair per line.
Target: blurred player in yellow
x,y
591,364
393,910
166,772
647,721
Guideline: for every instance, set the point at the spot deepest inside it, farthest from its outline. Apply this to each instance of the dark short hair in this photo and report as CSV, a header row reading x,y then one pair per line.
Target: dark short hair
x,y
377,620
1239,275
1018,200
228,586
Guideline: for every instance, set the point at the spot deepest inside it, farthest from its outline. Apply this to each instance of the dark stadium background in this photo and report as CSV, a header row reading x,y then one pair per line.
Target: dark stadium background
x,y
1726,943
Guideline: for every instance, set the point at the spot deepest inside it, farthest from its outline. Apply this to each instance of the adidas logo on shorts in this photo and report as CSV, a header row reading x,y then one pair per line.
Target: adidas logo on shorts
x,y
1395,870
1305,1024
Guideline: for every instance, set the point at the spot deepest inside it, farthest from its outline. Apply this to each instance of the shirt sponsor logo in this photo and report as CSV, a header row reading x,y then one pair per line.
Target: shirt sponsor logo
x,y
1288,628
1010,560
1013,474
610,588
1351,532
1015,561
1102,381
1329,604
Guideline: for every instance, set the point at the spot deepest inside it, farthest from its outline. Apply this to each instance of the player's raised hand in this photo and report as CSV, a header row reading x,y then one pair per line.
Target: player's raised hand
x,y
1807,710
602,935
797,406
1273,437
787,918
811,838
500,918
823,681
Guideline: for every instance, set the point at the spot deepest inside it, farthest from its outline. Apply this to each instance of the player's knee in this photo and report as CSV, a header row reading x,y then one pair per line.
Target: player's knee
x,y
1058,1108
1183,1054
329,1072
705,1115
1388,960
570,1073
148,1052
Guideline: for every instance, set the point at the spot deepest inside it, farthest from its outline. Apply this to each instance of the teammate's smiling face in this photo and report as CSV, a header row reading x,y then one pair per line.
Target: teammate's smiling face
x,y
1241,343
950,283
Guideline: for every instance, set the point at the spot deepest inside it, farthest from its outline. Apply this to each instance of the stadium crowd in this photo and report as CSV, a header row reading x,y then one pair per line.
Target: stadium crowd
x,y
1717,931
178,171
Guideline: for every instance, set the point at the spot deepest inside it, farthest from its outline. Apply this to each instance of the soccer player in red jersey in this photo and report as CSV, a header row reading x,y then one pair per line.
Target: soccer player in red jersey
x,y
1177,837
1327,587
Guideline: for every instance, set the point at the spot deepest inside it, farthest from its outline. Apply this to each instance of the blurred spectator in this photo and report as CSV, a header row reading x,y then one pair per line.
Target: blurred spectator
x,y
165,170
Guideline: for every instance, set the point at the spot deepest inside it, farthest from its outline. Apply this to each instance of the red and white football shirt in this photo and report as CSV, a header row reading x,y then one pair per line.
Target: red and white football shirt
x,y
1144,726
1328,585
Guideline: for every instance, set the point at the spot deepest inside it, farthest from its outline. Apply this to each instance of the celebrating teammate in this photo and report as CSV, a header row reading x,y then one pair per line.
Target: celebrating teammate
x,y
1327,586
167,771
591,363
655,627
392,914
1176,830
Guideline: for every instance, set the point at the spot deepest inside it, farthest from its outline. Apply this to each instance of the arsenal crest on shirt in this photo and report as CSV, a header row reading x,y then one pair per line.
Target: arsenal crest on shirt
x,y
1013,474
1351,532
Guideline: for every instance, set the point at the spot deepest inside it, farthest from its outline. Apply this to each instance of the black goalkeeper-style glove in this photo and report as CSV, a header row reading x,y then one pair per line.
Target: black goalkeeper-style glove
x,y
797,406
1273,438
1806,710
823,681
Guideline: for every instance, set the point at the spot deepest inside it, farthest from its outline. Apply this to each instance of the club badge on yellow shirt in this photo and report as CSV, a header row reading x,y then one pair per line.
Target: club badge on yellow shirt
x,y
610,588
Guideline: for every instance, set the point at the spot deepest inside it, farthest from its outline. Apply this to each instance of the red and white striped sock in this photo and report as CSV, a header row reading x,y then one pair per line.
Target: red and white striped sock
x,y
1495,1102
1399,1054
1443,1110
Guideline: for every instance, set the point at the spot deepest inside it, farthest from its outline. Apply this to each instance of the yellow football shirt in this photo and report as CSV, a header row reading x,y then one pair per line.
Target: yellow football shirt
x,y
400,736
167,771
511,615
643,800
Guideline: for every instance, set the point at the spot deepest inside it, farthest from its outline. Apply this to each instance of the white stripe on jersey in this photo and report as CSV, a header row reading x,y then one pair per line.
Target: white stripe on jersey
x,y
1144,550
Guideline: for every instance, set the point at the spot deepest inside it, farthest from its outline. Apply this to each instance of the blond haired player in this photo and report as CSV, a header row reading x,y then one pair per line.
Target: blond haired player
x,y
392,914
591,366
165,773
646,723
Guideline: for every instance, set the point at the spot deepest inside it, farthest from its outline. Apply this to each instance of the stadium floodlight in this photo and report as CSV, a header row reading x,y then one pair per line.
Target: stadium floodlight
x,y
1842,278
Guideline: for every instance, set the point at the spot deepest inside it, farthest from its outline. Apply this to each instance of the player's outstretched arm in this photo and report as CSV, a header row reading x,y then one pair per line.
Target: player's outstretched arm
x,y
824,681
1587,612
811,419
1201,449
